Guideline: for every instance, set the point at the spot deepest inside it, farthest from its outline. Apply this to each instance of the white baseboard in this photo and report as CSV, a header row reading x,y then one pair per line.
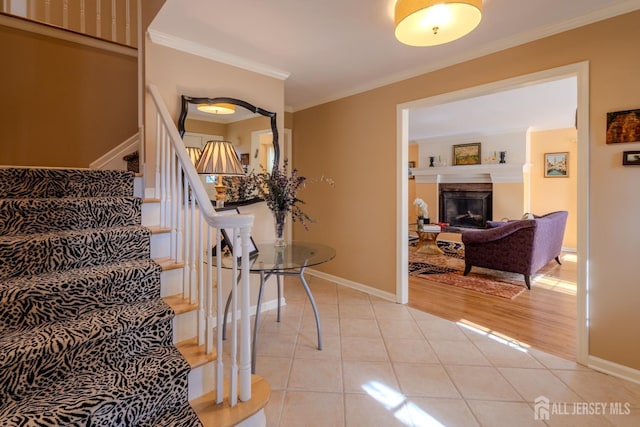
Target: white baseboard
x,y
353,285
615,369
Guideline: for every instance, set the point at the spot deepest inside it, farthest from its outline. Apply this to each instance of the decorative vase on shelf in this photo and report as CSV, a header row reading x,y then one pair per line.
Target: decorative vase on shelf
x,y
503,155
279,221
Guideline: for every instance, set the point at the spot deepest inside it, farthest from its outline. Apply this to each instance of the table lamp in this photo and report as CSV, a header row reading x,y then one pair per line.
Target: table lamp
x,y
219,158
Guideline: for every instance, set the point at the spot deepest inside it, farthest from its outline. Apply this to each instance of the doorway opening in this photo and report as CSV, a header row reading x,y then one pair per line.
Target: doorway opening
x,y
580,73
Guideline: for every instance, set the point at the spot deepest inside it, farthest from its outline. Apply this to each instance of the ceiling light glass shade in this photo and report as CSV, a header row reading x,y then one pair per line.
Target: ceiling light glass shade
x,y
194,154
220,108
434,22
220,158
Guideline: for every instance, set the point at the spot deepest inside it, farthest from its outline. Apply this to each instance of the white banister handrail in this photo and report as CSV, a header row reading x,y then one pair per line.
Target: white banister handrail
x,y
187,211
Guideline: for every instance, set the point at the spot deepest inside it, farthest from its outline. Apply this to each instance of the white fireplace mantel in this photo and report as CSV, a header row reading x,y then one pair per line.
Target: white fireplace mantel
x,y
495,173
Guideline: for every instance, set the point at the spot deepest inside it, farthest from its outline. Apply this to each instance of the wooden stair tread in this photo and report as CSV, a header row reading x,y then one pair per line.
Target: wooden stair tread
x,y
180,305
195,354
150,200
168,263
222,415
156,229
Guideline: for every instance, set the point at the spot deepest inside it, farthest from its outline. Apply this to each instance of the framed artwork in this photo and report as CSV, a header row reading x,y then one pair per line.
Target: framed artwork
x,y
556,165
631,158
228,243
623,126
466,154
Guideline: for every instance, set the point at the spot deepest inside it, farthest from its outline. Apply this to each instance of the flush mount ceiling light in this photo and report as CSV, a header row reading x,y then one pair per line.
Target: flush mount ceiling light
x,y
220,108
434,22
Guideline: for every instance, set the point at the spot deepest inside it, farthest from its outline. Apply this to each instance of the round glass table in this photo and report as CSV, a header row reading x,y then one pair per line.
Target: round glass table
x,y
290,260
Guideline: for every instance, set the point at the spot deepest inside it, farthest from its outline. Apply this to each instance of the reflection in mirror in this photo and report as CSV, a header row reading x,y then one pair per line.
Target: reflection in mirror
x,y
250,129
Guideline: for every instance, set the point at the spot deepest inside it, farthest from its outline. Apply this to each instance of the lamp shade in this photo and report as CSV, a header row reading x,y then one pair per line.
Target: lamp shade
x,y
434,22
219,158
194,154
220,108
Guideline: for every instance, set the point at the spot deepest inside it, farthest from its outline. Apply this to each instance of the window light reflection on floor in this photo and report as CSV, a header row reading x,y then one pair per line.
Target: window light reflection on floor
x,y
496,336
405,411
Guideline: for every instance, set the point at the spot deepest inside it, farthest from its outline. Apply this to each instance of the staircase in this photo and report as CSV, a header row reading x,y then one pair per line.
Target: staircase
x,y
85,335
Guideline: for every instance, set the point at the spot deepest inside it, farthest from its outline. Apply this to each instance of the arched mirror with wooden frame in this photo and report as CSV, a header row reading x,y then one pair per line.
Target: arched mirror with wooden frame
x,y
251,129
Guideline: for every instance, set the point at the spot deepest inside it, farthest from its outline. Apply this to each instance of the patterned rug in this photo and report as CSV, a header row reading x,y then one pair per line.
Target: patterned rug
x,y
448,269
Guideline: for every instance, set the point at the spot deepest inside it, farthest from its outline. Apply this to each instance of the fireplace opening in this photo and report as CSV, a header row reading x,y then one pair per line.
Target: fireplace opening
x,y
466,205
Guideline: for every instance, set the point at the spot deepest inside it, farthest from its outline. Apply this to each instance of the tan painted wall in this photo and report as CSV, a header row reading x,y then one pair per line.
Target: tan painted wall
x,y
508,200
62,104
354,141
203,126
177,73
551,194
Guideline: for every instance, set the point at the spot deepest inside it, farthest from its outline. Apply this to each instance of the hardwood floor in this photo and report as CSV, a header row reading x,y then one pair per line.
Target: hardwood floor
x,y
543,318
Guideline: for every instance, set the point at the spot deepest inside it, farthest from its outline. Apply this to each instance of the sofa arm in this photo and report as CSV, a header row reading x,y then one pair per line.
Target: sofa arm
x,y
497,233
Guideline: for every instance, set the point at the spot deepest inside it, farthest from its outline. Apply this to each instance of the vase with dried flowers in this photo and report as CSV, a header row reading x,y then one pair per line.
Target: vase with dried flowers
x,y
279,189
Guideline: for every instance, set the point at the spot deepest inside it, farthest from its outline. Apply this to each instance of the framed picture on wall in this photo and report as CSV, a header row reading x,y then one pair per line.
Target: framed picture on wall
x,y
623,126
556,165
631,158
466,154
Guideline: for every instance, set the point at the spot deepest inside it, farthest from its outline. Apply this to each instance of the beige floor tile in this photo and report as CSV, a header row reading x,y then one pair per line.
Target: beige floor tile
x,y
400,329
330,326
307,347
561,420
482,382
288,325
363,410
278,345
274,408
421,315
312,409
387,311
554,362
359,328
275,370
597,387
325,311
364,348
505,355
355,311
410,351
316,375
490,413
440,412
458,353
362,377
351,296
532,383
630,417
424,380
440,329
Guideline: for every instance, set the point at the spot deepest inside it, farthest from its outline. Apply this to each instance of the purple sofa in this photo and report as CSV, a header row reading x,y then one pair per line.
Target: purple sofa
x,y
521,246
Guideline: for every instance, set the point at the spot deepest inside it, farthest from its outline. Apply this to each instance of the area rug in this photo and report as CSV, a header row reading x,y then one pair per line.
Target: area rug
x,y
448,269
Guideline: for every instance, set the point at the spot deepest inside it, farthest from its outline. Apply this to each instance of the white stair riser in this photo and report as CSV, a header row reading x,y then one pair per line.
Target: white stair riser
x,y
201,380
138,186
184,326
160,245
150,213
171,282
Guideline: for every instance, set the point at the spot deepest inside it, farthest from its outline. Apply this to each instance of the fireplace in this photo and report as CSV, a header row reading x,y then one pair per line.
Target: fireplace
x,y
466,205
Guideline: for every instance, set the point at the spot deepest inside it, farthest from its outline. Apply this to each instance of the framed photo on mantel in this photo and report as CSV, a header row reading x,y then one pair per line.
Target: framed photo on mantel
x,y
466,154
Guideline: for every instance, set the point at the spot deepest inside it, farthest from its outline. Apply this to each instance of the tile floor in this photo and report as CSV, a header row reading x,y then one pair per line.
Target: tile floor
x,y
385,364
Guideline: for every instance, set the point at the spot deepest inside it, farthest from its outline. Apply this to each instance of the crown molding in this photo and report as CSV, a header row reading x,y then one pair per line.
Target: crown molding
x,y
198,49
487,49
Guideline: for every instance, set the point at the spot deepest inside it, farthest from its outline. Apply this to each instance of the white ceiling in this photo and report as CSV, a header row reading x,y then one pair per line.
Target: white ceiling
x,y
329,49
